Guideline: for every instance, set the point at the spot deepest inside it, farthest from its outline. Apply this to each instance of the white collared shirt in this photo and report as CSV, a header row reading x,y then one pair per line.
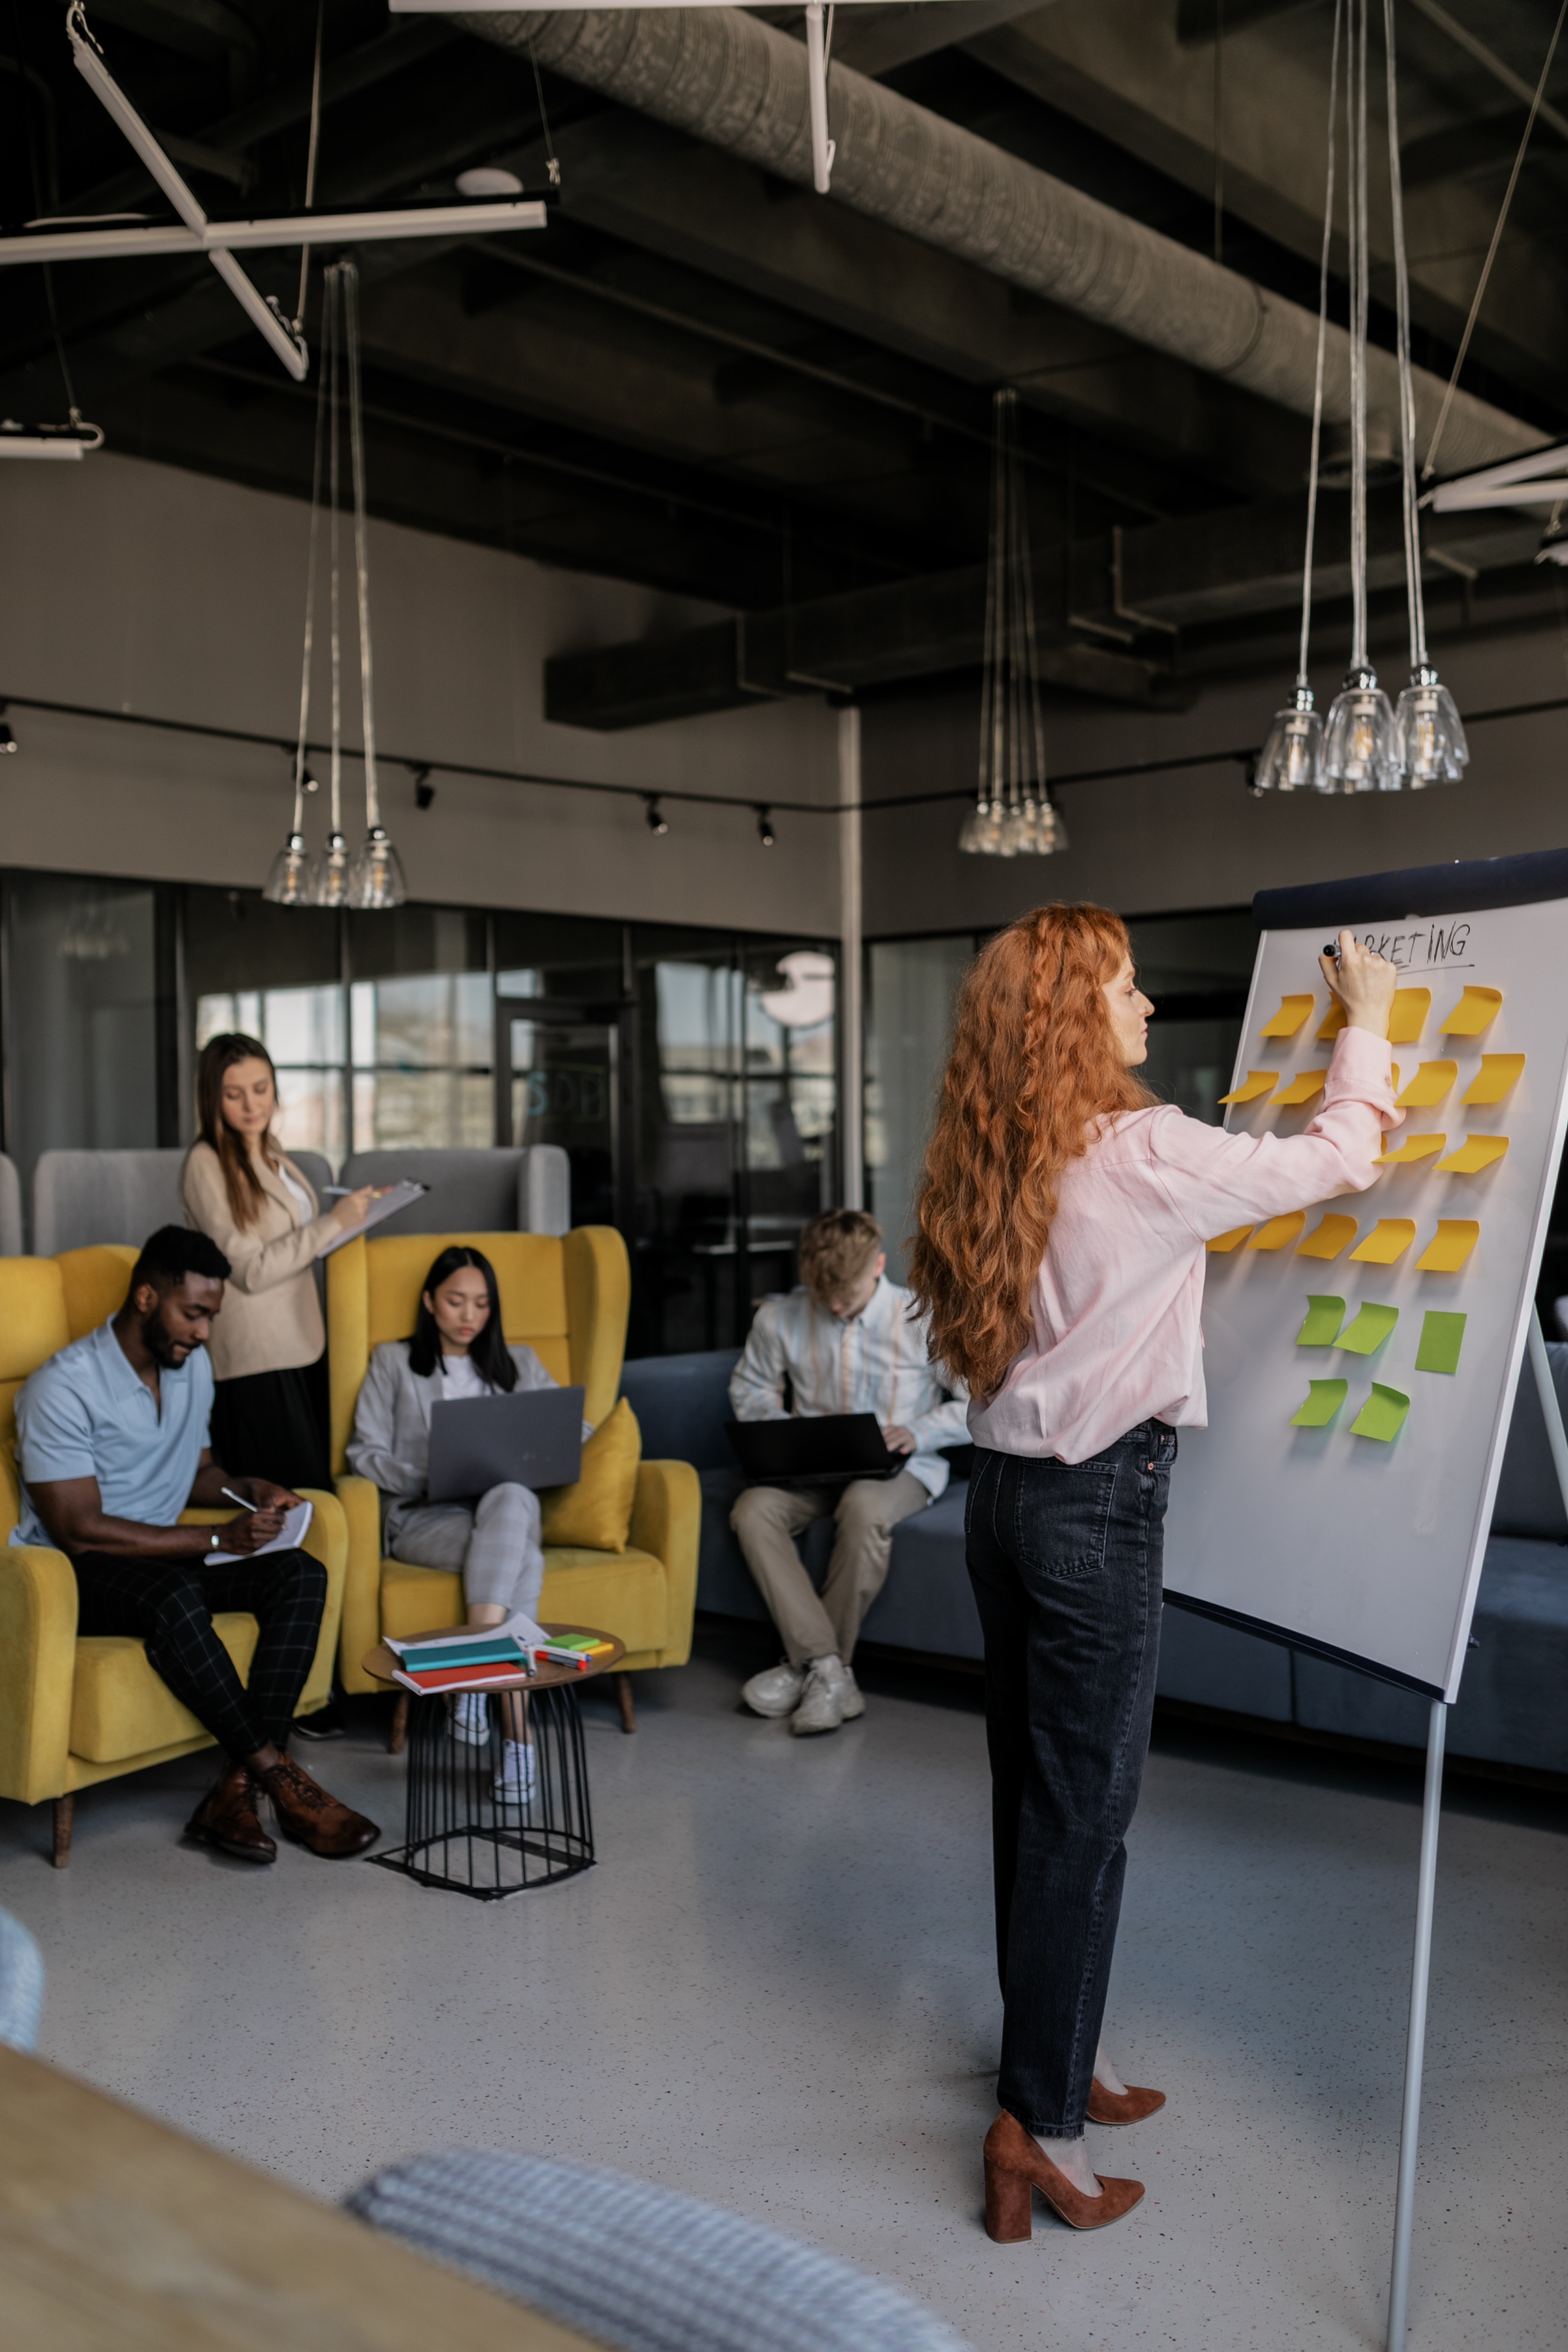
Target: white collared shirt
x,y
876,1361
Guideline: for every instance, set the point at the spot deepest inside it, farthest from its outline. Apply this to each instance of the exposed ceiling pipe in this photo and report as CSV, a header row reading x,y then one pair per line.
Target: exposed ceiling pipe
x,y
740,84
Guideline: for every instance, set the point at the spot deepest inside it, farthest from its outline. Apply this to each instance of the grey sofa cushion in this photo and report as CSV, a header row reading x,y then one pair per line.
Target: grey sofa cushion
x,y
10,1208
1529,1498
636,2265
470,1191
681,1403
83,1197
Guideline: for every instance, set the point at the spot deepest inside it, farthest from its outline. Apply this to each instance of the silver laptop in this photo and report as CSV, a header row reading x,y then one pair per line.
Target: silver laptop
x,y
530,1438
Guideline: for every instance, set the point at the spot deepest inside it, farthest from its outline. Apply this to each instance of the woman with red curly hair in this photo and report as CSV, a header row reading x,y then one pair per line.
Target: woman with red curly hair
x,y
1060,1255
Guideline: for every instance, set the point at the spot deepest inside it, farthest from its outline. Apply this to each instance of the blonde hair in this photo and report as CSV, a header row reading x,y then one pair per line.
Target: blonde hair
x,y
836,1248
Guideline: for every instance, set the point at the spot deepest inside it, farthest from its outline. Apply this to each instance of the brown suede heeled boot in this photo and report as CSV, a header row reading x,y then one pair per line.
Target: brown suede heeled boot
x,y
1128,2106
1016,2166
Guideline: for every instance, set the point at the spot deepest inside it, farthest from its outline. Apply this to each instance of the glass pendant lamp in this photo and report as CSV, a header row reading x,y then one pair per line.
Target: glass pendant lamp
x,y
1429,734
329,884
1012,816
1360,754
1291,760
288,883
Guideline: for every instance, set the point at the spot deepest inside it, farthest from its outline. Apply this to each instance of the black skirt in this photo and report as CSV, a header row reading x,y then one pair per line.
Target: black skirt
x,y
273,1425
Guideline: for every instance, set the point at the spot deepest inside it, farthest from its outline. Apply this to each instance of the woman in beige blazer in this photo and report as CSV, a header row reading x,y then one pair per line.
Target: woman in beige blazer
x,y
238,1187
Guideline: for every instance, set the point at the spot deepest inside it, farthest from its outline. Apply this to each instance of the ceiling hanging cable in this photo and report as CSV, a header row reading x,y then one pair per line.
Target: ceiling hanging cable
x,y
1291,760
1429,467
310,155
552,164
76,436
288,884
1358,753
329,884
1014,815
375,879
1429,737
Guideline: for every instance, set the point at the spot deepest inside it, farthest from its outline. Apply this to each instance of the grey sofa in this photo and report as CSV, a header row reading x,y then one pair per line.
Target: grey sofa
x,y
83,1197
499,1190
1513,1704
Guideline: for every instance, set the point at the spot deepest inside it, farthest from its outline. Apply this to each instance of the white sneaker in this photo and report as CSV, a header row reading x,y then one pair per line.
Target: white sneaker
x,y
470,1718
828,1685
519,1777
777,1691
853,1704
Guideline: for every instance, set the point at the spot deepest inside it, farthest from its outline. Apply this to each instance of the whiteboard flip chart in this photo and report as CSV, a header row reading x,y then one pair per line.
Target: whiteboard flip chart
x,y
1374,1486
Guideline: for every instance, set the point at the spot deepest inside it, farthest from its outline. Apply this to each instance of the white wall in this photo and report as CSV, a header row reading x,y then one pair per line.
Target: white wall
x,y
1196,838
145,588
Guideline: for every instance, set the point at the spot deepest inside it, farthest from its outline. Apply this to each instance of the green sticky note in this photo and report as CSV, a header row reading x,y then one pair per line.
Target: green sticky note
x,y
1325,1317
1370,1330
1383,1414
1324,1399
1442,1337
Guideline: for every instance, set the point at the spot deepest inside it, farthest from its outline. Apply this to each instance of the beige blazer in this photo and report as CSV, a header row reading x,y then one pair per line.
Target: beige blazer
x,y
271,1319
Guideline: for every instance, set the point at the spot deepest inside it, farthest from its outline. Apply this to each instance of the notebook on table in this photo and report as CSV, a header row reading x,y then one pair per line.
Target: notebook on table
x,y
532,1437
815,1450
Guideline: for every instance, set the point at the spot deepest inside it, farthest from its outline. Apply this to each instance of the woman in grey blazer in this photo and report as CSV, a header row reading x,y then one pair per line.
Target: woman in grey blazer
x,y
458,1349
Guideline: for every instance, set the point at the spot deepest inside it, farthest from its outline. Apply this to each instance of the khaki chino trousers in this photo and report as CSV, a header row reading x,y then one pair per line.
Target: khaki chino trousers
x,y
767,1520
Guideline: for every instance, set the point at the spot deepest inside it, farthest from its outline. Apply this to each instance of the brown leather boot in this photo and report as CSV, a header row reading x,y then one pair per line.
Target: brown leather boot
x,y
1128,2106
307,1815
1016,2166
226,1817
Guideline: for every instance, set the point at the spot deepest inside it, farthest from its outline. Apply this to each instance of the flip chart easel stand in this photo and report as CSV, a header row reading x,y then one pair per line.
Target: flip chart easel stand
x,y
1427,1881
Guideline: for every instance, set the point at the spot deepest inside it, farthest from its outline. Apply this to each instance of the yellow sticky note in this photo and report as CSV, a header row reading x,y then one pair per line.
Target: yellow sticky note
x,y
1479,1153
1333,1021
1279,1232
1390,1238
1414,1146
1293,1010
1258,1084
1304,1090
1225,1241
1449,1246
1498,1072
1328,1237
1429,1084
1411,1006
1474,1012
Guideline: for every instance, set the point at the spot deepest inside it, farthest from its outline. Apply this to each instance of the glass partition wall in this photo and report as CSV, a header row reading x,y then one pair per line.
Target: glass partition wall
x,y
690,1075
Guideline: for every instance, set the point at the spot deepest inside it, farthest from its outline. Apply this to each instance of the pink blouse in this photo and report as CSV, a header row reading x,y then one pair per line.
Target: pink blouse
x,y
1116,1338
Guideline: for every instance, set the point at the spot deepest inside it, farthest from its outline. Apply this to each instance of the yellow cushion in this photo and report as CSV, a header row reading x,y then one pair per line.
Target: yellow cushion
x,y
597,1511
96,1281
625,1593
121,1708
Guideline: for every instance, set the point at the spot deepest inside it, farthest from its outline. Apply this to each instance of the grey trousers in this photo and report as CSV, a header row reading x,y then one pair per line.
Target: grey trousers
x,y
767,1520
495,1548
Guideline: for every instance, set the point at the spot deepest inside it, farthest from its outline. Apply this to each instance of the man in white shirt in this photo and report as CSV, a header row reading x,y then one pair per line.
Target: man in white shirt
x,y
847,1340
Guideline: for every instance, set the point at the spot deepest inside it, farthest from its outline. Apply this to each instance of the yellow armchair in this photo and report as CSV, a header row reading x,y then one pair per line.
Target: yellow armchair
x,y
567,1297
74,1710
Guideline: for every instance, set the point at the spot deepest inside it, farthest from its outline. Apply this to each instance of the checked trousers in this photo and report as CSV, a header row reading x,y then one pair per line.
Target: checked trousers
x,y
171,1605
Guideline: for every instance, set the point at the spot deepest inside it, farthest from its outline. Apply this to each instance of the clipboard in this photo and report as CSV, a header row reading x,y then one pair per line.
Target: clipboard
x,y
389,1200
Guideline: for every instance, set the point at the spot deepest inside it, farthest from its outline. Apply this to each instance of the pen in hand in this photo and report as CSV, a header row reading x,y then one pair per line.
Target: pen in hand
x,y
230,1496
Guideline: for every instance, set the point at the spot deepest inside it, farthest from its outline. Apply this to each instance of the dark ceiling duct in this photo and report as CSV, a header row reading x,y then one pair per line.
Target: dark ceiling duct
x,y
740,84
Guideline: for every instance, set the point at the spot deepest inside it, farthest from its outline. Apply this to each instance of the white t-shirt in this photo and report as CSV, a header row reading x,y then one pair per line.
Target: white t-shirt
x,y
459,1378
300,1194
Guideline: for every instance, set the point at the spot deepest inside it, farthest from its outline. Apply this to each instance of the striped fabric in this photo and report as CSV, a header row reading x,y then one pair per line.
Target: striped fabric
x,y
21,1984
635,2265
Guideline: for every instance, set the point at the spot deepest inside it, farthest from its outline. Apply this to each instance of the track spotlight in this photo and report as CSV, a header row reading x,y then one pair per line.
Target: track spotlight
x,y
424,790
765,827
307,783
654,816
7,741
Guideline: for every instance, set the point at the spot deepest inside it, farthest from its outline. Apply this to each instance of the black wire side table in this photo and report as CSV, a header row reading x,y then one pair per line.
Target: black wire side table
x,y
458,1834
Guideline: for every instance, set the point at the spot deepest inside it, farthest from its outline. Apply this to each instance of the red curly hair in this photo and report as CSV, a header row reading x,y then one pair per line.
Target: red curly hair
x,y
1034,1065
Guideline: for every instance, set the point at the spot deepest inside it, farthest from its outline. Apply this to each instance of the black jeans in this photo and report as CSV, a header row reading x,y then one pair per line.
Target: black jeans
x,y
171,1605
1065,1562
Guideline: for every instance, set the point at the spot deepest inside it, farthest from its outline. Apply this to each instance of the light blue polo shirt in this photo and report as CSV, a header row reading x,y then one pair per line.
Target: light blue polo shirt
x,y
86,1414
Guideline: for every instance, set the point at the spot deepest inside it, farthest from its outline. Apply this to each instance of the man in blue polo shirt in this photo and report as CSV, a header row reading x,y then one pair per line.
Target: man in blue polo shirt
x,y
112,1443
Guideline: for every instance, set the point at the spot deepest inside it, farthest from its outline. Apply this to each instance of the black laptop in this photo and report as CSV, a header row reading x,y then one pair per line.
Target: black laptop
x,y
814,1450
530,1437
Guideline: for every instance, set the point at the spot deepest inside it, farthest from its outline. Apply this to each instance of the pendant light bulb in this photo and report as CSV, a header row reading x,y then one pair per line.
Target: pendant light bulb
x,y
1429,734
375,878
1291,760
328,883
288,884
983,828
1359,751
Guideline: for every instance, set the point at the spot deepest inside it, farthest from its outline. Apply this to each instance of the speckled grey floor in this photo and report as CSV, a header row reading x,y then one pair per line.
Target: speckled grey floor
x,y
775,1991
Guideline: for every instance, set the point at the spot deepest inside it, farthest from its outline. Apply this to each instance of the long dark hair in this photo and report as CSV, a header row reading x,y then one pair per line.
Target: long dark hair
x,y
488,1353
217,1058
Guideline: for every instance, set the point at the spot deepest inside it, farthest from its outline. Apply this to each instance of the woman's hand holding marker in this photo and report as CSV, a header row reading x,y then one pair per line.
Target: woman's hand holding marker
x,y
1363,982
